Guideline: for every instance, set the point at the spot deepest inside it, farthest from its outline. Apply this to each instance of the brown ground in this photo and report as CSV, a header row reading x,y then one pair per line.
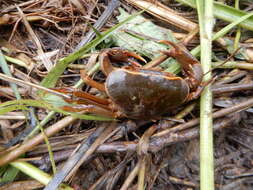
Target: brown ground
x,y
172,160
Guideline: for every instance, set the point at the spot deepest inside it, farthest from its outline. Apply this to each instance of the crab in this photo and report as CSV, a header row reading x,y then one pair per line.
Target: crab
x,y
136,92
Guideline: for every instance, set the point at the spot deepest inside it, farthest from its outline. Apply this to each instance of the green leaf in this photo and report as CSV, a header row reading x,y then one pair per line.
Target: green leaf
x,y
141,35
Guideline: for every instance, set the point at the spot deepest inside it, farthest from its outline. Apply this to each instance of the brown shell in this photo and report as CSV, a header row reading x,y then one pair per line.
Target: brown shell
x,y
145,94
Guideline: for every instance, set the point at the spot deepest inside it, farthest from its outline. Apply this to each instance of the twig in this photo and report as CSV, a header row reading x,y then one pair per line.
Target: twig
x,y
7,157
109,174
12,117
47,63
142,153
231,88
223,112
131,177
164,13
84,151
18,81
159,142
99,23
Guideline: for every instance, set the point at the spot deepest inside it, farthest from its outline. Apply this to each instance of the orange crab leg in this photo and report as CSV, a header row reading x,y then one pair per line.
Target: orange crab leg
x,y
86,102
89,109
82,95
91,82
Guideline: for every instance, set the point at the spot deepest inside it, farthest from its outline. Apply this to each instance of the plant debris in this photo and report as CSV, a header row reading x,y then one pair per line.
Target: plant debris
x,y
43,46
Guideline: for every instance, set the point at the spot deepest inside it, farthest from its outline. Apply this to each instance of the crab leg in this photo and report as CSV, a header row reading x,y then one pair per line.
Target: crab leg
x,y
86,103
83,95
91,82
195,94
89,109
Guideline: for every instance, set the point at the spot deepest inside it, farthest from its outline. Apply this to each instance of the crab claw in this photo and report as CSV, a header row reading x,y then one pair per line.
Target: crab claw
x,y
132,54
180,53
189,64
127,55
117,54
177,51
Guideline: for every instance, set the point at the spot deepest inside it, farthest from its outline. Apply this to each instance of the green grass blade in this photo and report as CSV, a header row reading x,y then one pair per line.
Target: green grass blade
x,y
225,13
229,27
205,16
36,173
98,34
223,31
9,174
